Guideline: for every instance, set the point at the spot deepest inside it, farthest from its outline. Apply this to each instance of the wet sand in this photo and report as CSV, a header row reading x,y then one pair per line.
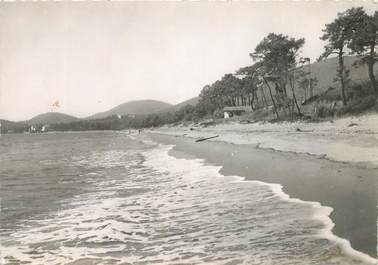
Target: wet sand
x,y
349,188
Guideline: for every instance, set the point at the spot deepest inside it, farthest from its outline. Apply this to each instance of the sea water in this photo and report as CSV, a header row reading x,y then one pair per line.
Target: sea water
x,y
111,198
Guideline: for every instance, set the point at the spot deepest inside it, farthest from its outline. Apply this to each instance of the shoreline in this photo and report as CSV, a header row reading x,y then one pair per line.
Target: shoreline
x,y
328,139
354,215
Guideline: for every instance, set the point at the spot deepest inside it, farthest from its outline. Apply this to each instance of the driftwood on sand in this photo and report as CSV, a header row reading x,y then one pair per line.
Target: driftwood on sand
x,y
300,130
206,138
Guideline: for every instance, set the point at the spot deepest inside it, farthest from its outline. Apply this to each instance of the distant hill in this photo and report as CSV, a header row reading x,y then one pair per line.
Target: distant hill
x,y
12,126
51,118
325,72
192,101
141,107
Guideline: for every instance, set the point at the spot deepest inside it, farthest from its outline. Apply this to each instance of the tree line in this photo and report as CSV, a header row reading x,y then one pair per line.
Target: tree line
x,y
278,68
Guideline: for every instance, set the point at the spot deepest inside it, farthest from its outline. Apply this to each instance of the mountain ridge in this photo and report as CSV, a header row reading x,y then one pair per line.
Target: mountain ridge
x,y
135,107
192,101
51,118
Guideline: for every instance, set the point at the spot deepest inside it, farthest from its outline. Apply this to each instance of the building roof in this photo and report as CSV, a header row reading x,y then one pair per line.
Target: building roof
x,y
238,108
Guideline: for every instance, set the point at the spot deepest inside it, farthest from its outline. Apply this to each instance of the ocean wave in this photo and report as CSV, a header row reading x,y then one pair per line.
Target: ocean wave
x,y
142,206
163,161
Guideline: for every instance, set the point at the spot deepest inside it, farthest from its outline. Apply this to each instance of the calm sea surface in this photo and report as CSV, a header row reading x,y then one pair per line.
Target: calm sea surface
x,y
108,198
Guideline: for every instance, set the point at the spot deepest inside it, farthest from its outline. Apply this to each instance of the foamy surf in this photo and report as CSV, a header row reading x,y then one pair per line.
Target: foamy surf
x,y
161,160
126,202
322,213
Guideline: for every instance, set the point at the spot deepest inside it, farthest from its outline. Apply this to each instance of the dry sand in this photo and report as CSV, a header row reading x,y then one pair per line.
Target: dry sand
x,y
352,139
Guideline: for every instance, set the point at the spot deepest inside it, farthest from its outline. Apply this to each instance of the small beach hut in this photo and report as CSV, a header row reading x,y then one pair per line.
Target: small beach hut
x,y
235,110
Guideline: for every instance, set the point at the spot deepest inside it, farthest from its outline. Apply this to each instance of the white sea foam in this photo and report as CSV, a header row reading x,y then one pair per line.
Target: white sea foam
x,y
168,211
87,218
160,159
322,213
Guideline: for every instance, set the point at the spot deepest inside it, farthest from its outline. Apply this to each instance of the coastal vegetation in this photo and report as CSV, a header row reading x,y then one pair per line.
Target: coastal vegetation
x,y
279,76
282,85
279,84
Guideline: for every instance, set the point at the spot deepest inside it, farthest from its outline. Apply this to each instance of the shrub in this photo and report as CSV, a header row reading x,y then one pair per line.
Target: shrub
x,y
358,105
331,94
323,110
360,90
218,113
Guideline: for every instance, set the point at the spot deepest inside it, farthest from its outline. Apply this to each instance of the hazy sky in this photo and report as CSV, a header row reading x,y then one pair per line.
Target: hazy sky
x,y
94,56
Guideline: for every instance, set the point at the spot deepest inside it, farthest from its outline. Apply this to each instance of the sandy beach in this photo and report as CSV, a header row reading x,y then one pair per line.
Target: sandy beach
x,y
333,163
351,139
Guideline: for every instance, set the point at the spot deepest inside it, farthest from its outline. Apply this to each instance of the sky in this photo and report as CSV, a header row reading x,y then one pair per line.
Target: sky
x,y
93,56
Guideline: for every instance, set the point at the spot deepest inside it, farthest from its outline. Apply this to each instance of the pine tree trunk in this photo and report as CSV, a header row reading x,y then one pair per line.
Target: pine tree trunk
x,y
284,89
271,97
294,97
311,88
305,92
263,96
371,69
341,76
